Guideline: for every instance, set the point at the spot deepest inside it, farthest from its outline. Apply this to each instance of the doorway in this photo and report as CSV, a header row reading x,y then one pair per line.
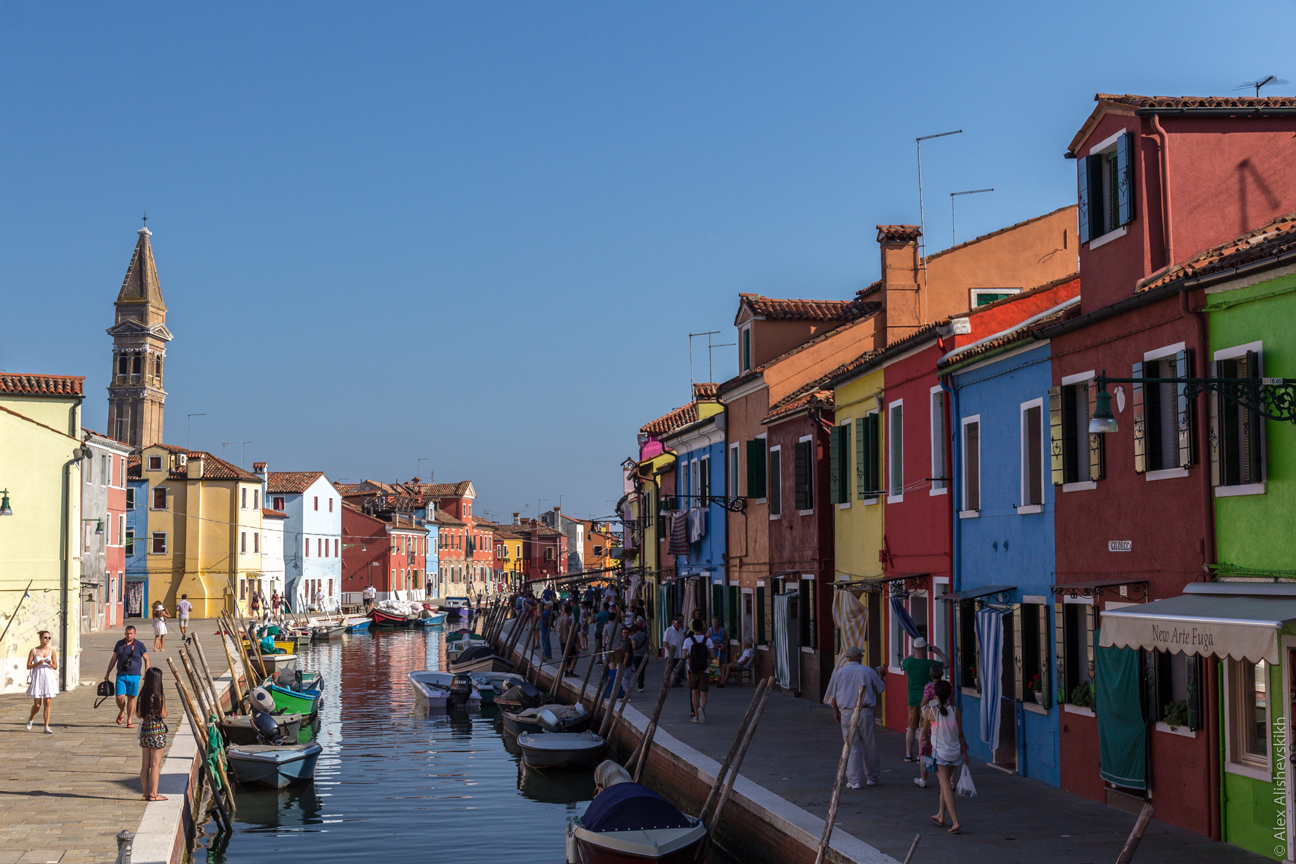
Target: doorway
x,y
1005,755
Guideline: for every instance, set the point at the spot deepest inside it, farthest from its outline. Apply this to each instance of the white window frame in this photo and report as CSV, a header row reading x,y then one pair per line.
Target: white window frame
x,y
810,474
894,632
1248,488
744,332
153,535
155,463
1067,381
1158,354
850,445
938,487
1023,508
769,456
1254,771
874,499
166,494
121,530
964,512
1104,146
977,292
890,450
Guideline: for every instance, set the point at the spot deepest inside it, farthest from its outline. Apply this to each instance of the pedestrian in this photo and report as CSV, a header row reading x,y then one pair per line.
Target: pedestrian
x,y
368,598
275,601
130,658
673,647
925,745
159,626
843,690
183,608
596,632
949,748
917,669
697,652
716,636
744,662
546,622
153,731
612,629
255,604
42,662
638,637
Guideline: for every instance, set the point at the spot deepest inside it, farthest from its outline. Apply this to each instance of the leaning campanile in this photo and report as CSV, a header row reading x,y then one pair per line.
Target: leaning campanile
x,y
135,395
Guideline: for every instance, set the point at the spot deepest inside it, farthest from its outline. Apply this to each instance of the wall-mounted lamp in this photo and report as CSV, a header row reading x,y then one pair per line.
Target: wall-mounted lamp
x,y
5,509
98,526
1274,398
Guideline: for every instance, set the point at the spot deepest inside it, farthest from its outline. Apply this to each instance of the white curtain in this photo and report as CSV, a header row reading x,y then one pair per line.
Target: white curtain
x,y
989,628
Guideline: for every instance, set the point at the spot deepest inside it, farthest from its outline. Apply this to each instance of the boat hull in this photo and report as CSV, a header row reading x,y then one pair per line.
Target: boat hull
x,y
292,702
561,749
358,625
239,730
669,846
387,619
432,690
494,663
275,767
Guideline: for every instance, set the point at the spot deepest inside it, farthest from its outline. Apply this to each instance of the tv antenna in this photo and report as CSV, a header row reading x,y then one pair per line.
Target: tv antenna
x,y
953,233
1261,82
708,334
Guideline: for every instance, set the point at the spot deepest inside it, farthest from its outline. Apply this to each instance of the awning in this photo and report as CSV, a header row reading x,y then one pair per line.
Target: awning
x,y
1207,623
974,593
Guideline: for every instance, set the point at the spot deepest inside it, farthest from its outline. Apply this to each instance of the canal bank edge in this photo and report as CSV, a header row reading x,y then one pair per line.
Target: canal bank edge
x,y
758,826
160,837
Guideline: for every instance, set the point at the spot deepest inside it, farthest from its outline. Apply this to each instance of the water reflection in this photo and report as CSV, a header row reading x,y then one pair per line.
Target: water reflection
x,y
555,787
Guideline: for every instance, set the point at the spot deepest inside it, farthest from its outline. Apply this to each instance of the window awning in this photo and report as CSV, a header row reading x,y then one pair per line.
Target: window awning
x,y
1240,626
974,593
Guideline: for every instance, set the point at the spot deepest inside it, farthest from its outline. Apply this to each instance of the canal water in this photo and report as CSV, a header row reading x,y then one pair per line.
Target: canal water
x,y
397,784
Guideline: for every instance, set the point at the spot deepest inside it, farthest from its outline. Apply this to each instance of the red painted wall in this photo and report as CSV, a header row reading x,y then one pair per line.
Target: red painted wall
x,y
367,546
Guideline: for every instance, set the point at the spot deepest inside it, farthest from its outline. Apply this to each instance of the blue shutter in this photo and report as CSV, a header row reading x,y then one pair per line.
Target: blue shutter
x,y
1082,184
1124,181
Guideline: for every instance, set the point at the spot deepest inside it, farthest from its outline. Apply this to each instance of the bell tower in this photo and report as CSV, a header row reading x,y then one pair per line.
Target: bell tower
x,y
135,395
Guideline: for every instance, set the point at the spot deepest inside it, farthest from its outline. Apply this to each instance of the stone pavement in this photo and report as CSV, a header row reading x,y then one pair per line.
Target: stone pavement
x,y
794,754
65,796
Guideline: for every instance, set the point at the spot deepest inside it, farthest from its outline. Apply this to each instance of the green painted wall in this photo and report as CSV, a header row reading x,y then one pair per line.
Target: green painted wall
x,y
1255,531
1255,812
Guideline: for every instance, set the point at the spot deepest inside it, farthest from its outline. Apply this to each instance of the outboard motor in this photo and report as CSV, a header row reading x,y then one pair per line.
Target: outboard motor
x,y
267,727
461,688
262,700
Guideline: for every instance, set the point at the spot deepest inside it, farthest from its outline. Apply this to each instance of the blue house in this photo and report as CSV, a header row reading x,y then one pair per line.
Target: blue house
x,y
1003,549
433,559
135,596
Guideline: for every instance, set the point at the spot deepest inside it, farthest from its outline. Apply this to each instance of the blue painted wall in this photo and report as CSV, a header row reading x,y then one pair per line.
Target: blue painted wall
x,y
707,555
1002,546
137,521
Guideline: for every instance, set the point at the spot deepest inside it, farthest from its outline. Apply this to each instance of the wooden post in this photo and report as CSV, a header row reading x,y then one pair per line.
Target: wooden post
x,y
841,776
237,637
625,700
199,696
714,794
211,680
1136,835
256,647
913,847
606,722
580,700
645,744
514,635
572,638
200,738
533,668
235,691
732,777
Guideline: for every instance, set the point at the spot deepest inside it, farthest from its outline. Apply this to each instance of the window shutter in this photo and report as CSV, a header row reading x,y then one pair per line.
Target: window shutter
x,y
843,468
1059,665
1082,197
836,444
1214,436
1252,423
1055,435
861,458
801,475
1017,620
874,453
756,468
1194,664
717,601
731,611
1140,424
1124,180
803,616
1096,461
1183,408
760,614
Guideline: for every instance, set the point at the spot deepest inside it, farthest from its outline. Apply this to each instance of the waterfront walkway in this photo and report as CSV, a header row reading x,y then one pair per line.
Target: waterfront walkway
x,y
65,796
795,751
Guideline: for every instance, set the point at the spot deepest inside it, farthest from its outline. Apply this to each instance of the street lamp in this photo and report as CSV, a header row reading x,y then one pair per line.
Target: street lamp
x,y
5,509
1274,398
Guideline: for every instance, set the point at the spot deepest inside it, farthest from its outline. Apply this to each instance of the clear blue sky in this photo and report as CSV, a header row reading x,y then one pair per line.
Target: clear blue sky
x,y
480,233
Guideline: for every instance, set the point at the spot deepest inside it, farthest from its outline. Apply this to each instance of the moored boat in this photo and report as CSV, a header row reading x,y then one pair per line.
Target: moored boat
x,y
358,623
629,822
457,607
238,729
438,690
274,765
383,618
561,749
293,701
493,684
480,658
550,718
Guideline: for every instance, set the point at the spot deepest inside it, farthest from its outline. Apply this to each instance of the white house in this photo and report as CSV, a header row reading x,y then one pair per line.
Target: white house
x,y
272,549
312,538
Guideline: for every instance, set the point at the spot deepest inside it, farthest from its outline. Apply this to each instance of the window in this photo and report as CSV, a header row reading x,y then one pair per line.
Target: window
x,y
756,468
868,446
130,498
121,529
803,475
775,483
160,498
839,464
549,554
734,489
122,364
319,547
1076,635
1248,713
159,546
130,542
1030,648
745,336
256,542
598,551
155,463
967,646
1106,188
972,464
335,547
243,542
1075,455
256,499
704,480
895,451
243,498
1237,433
1173,683
1032,454
105,470
135,365
330,505
306,544
940,479
806,613
316,502
1162,412
986,296
278,502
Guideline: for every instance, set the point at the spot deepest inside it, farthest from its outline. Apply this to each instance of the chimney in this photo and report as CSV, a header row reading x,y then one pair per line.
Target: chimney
x,y
902,310
259,469
195,466
516,519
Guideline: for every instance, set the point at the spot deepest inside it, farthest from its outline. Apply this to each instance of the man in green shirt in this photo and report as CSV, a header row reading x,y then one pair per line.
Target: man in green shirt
x,y
917,668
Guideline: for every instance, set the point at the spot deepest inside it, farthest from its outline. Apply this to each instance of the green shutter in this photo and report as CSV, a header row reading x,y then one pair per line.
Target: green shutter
x,y
801,475
1140,422
1082,196
1194,664
732,611
1252,423
860,458
1124,181
836,445
760,615
1183,408
717,601
1214,436
1056,462
1062,696
756,468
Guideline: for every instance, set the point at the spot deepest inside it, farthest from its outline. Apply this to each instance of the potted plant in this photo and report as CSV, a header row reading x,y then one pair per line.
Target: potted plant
x,y
1082,695
1039,687
1176,715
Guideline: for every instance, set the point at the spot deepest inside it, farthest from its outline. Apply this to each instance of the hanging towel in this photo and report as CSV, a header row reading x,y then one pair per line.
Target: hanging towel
x,y
902,618
679,534
697,524
850,615
1122,731
989,628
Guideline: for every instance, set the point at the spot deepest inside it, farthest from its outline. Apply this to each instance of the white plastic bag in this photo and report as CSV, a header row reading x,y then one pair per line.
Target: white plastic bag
x,y
965,785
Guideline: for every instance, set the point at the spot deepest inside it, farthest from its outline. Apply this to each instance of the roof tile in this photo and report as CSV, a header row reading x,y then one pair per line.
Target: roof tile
x,y
1277,237
41,385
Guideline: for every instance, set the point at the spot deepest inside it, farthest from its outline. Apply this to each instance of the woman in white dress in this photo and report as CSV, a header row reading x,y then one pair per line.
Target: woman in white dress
x,y
43,663
159,627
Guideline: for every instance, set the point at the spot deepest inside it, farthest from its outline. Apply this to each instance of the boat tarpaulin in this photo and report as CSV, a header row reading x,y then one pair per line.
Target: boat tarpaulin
x,y
632,807
1225,625
1122,730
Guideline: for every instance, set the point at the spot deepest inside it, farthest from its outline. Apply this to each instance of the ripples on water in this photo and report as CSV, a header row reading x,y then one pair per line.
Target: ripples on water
x,y
398,784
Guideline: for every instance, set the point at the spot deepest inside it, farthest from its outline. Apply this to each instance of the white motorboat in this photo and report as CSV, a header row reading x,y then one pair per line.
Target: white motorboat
x,y
436,689
630,822
274,765
480,658
559,749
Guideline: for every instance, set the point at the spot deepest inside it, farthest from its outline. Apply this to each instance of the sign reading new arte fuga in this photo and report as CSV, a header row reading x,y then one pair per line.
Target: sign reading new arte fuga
x,y
1175,638
1208,618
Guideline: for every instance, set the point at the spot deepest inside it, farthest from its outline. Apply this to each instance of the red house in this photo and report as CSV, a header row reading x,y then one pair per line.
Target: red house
x,y
385,550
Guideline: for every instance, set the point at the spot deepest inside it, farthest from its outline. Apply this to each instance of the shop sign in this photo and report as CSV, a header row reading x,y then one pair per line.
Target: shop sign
x,y
1120,545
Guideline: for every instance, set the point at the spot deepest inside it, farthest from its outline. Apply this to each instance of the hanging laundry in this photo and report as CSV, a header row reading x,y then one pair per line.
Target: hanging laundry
x,y
697,524
679,533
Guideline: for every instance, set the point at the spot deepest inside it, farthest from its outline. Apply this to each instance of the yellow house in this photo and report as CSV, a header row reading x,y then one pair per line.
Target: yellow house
x,y
204,531
508,546
40,512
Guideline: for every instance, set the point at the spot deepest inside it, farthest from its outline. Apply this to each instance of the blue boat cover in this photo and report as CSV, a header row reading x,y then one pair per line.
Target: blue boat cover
x,y
632,807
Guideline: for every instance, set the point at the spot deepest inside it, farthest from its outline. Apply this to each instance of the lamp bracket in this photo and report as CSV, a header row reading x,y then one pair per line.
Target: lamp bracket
x,y
1274,398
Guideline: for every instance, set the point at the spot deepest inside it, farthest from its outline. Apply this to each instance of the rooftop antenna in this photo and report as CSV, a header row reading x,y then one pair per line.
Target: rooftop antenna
x,y
922,222
953,234
418,468
1261,82
710,348
708,334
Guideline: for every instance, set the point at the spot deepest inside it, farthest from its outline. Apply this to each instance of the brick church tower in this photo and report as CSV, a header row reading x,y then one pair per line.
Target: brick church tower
x,y
135,395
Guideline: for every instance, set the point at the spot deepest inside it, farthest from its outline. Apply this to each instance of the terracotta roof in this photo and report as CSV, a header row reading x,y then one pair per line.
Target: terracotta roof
x,y
442,490
667,422
214,468
898,233
810,396
274,514
41,385
345,489
798,310
1248,102
85,431
1276,238
291,482
705,391
739,380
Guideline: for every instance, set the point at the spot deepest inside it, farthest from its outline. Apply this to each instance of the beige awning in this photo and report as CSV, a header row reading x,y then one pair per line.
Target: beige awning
x,y
1224,625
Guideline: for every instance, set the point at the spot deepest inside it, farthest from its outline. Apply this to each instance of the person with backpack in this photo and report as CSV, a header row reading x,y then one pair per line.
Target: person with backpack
x,y
697,651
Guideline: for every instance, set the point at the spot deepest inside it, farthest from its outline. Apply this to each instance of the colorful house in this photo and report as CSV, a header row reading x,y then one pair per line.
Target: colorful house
x,y
312,534
102,533
385,549
40,522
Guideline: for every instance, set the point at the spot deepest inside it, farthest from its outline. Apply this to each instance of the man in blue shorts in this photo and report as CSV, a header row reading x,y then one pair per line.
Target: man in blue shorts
x,y
131,659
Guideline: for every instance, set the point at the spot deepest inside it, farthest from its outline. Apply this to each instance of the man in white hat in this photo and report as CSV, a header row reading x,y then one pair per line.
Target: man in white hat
x,y
843,689
917,668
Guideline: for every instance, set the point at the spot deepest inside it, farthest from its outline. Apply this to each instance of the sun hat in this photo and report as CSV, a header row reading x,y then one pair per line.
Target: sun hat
x,y
920,642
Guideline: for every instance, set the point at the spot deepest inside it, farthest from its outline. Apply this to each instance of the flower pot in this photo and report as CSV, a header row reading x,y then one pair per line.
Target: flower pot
x,y
1039,697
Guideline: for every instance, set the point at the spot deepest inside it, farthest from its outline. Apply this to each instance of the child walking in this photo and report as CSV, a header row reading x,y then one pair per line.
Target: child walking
x,y
153,731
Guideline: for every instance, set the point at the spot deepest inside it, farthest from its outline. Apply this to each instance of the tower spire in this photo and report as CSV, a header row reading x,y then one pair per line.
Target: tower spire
x,y
136,398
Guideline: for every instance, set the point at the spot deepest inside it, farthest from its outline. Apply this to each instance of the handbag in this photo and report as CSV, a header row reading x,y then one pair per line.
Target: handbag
x,y
929,764
965,784
105,690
